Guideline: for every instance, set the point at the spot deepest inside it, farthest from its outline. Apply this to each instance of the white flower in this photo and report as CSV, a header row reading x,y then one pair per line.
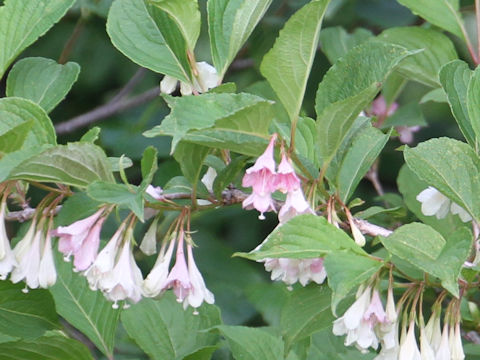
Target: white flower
x,y
125,279
295,204
434,203
155,192
387,332
27,253
433,331
198,292
149,242
408,346
207,79
47,274
456,209
7,257
209,178
155,281
360,320
292,270
443,352
457,347
426,349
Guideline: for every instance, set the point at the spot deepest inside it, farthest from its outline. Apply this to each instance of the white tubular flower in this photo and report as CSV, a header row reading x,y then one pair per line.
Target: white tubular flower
x,y
456,209
443,352
7,257
154,283
433,331
208,178
207,79
198,292
434,203
426,350
47,274
387,332
408,346
360,320
104,262
149,242
457,347
292,270
295,204
125,279
27,253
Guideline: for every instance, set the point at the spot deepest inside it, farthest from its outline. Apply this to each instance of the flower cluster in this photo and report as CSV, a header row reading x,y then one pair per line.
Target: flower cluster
x,y
206,79
435,203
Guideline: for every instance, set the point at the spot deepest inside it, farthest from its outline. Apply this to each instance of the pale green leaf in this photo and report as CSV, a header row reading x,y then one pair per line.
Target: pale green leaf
x,y
346,271
287,65
86,310
304,236
248,343
49,347
455,78
186,15
361,73
442,13
190,157
437,48
42,81
165,331
24,21
473,102
336,42
149,166
76,164
452,167
365,148
426,249
147,36
435,95
230,23
307,311
26,316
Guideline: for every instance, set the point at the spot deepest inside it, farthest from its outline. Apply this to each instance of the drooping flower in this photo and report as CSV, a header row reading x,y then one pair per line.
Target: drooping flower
x,y
207,79
408,345
154,283
208,178
295,204
406,133
7,257
286,179
124,281
155,192
434,203
47,273
105,260
360,320
72,237
261,177
387,332
443,351
456,209
457,347
433,330
27,254
87,252
149,242
381,109
426,350
198,292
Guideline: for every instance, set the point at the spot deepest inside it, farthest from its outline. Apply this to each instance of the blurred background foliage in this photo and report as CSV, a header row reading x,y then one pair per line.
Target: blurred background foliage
x,y
240,286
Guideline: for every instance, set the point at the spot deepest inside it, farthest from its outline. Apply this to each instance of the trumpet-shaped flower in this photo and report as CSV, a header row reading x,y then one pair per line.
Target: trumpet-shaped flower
x,y
7,257
179,278
456,346
47,273
295,204
408,345
207,79
443,351
434,203
198,292
292,270
154,283
456,209
286,180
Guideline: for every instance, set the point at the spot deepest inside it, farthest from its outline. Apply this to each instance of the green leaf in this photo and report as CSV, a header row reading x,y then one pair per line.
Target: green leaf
x,y
76,164
26,316
127,196
208,110
361,73
304,236
366,147
186,15
306,312
11,160
91,135
165,331
287,65
426,249
23,21
148,37
230,23
86,310
190,158
42,81
227,175
442,13
117,163
248,343
23,124
149,166
473,102
347,270
336,42
452,167
437,48
406,115
435,95
50,347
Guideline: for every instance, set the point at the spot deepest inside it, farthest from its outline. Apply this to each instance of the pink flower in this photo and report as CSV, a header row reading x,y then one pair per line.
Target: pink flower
x,y
292,270
406,133
261,177
71,237
155,192
380,109
87,252
179,278
295,204
198,292
286,180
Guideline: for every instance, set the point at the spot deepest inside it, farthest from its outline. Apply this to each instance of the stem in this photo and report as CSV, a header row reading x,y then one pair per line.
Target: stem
x,y
293,129
69,45
477,14
471,50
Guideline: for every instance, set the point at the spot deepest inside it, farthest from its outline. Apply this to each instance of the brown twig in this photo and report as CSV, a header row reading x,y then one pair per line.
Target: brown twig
x,y
67,50
106,111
